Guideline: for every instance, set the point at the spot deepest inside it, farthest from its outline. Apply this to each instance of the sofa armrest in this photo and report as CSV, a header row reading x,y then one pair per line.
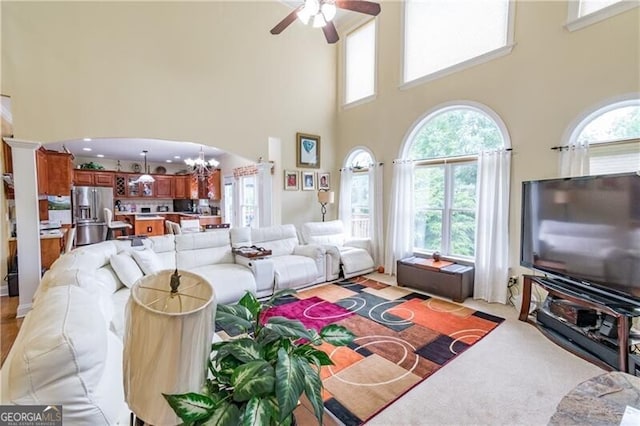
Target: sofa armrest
x,y
363,243
262,269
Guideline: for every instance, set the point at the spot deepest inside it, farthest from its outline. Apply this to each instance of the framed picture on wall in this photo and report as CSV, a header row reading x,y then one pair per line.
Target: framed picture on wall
x,y
324,181
291,180
308,181
307,151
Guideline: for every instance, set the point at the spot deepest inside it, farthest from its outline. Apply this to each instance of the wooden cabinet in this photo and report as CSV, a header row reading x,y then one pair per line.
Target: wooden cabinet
x,y
149,227
215,192
8,168
43,172
93,178
206,188
454,281
82,178
164,186
182,186
210,220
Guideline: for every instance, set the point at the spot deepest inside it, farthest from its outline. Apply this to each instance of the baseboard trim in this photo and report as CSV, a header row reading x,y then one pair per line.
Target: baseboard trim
x,y
23,310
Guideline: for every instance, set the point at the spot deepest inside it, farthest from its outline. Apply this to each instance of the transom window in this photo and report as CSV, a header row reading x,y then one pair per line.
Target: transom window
x,y
360,63
439,34
613,135
444,149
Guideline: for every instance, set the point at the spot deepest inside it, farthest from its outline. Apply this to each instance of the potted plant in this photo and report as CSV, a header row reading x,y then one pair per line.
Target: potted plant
x,y
257,379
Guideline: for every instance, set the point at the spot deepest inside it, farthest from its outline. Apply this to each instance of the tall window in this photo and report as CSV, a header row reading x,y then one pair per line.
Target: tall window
x,y
613,135
439,34
248,202
444,149
359,162
360,63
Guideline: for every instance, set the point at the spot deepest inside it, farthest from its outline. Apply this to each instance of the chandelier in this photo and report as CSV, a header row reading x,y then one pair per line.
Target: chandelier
x,y
318,12
200,165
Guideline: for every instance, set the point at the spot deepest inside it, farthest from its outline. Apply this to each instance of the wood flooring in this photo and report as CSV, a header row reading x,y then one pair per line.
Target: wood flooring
x,y
9,324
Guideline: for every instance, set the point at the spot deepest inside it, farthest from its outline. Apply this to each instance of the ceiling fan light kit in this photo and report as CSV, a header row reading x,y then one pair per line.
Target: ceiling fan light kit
x,y
320,14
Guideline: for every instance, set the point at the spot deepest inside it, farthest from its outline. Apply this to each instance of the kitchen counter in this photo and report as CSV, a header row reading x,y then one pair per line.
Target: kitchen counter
x,y
145,216
190,215
51,246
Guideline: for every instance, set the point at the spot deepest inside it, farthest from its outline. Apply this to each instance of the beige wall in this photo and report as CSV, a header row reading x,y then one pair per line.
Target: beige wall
x,y
205,72
551,77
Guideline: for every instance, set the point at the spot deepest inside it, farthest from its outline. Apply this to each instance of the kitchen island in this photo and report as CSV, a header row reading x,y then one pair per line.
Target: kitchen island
x,y
153,223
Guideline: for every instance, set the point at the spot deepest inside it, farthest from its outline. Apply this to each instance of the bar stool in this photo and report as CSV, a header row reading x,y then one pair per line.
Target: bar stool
x,y
115,225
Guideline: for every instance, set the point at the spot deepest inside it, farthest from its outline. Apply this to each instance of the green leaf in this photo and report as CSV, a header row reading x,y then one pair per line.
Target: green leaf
x,y
226,319
244,349
337,335
226,414
286,327
255,378
313,388
190,406
316,339
250,302
257,412
289,383
313,355
236,310
280,294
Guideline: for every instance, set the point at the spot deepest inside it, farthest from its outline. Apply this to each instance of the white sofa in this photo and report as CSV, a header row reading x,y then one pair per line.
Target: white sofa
x,y
69,348
294,265
352,255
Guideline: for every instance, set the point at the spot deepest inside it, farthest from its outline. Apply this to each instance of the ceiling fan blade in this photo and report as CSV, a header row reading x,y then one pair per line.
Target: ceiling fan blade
x,y
288,20
330,33
362,6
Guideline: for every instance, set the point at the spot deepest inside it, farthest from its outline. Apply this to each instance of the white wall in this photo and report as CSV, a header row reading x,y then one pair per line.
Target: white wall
x,y
206,72
550,77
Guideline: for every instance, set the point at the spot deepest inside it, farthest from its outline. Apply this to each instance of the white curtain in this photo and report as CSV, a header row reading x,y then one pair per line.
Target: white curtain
x,y
574,160
400,229
265,191
344,204
375,211
492,227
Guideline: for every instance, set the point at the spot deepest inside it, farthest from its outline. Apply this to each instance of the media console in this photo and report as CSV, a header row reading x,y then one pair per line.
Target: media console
x,y
588,324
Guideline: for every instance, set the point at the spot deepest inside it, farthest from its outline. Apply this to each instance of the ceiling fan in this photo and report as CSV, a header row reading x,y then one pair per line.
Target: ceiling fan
x,y
320,14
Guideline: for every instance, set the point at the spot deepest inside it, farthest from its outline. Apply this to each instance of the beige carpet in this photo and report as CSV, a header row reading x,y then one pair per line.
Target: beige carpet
x,y
514,376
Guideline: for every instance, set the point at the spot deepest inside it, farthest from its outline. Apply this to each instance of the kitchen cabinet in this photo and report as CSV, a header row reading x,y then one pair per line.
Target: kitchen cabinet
x,y
43,172
54,172
208,188
149,227
164,186
182,186
93,178
210,220
8,168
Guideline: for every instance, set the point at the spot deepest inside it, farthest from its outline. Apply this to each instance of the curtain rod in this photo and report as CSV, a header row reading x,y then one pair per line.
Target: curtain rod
x,y
597,144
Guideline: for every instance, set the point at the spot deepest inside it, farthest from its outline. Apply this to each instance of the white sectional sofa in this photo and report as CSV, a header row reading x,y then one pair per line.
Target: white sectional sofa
x,y
352,255
294,265
69,348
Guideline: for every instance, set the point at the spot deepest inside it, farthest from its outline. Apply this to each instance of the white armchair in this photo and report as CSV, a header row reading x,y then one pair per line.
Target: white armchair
x,y
352,255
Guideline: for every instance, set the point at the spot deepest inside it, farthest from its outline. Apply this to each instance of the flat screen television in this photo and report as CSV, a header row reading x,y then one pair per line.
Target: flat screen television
x,y
586,232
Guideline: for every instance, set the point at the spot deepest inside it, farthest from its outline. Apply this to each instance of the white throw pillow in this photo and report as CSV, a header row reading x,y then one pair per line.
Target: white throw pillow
x,y
126,268
148,261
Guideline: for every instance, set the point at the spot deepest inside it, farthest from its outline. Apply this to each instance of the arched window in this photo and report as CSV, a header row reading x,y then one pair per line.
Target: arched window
x,y
613,135
444,147
358,163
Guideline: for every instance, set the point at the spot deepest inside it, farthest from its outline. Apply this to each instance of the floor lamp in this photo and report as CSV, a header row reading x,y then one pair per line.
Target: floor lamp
x,y
325,197
167,342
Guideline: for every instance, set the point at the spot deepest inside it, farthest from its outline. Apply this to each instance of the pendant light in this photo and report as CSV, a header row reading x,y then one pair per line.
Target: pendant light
x,y
146,177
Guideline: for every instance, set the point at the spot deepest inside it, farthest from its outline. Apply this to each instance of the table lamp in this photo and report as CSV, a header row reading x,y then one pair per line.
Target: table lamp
x,y
167,342
325,197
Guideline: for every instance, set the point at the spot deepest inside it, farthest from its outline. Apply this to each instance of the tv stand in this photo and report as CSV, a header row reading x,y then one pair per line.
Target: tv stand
x,y
611,353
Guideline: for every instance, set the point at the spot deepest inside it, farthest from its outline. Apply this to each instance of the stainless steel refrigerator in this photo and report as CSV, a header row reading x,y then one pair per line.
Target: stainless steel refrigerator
x,y
89,203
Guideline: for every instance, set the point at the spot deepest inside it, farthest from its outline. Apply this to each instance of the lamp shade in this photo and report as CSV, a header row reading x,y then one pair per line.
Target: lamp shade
x,y
167,343
326,197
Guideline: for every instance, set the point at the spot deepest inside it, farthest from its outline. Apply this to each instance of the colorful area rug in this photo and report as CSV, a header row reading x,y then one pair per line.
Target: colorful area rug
x,y
402,337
